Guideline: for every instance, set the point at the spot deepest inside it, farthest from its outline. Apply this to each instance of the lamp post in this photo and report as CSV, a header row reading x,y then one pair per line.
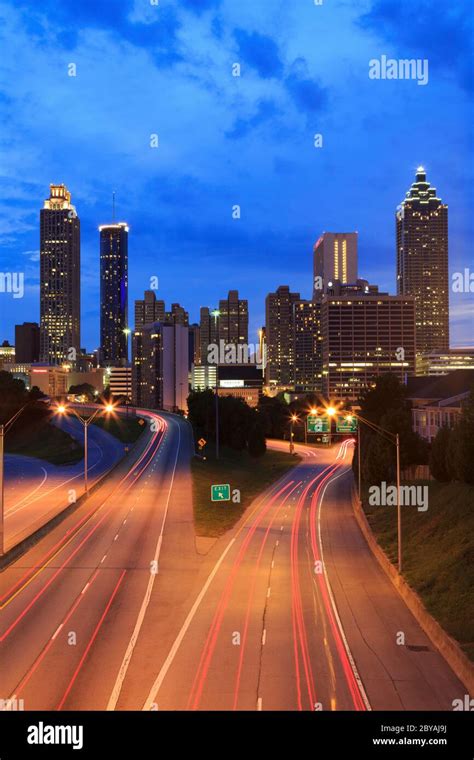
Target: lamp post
x,y
330,411
393,438
3,429
294,418
62,409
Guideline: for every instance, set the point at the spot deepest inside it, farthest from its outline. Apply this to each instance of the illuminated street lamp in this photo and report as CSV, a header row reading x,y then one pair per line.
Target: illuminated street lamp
x,y
3,429
64,410
294,418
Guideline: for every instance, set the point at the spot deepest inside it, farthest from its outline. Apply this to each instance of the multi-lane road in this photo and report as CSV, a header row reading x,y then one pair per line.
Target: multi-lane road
x,y
120,608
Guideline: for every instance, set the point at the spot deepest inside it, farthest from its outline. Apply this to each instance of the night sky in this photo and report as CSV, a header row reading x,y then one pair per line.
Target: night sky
x,y
145,69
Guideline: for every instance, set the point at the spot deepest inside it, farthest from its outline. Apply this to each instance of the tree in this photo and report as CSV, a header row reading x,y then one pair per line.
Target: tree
x,y
256,442
440,467
83,389
462,442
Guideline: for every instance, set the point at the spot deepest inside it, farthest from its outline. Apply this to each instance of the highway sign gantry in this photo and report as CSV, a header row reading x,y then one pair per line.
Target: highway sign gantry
x,y
220,492
317,424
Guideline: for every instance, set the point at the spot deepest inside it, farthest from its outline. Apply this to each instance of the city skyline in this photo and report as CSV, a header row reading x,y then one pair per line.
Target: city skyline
x,y
225,140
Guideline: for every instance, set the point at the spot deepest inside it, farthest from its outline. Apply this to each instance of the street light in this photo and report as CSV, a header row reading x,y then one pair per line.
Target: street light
x,y
294,418
64,410
3,429
393,438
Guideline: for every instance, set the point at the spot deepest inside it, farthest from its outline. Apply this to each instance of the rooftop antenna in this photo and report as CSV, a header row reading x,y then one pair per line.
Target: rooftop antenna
x,y
113,206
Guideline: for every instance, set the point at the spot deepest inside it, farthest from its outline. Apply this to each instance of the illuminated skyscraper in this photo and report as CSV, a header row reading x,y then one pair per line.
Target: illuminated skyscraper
x,y
279,329
234,319
114,293
422,262
334,258
60,263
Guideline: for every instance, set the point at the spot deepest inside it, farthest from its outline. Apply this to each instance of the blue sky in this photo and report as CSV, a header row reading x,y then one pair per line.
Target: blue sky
x,y
166,69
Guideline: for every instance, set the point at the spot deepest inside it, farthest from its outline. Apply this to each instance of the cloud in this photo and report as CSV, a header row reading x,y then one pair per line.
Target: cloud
x,y
441,32
307,94
266,110
260,52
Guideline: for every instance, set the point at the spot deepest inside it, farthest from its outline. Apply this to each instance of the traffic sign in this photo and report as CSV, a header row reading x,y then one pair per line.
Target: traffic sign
x,y
317,424
220,492
346,424
202,442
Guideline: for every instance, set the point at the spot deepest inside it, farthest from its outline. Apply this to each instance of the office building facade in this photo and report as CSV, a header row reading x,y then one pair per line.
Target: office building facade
x,y
60,263
279,331
334,258
160,375
114,293
308,359
422,262
27,342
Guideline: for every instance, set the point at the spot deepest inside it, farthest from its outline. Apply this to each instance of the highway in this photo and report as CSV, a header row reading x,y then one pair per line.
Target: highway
x,y
120,608
36,490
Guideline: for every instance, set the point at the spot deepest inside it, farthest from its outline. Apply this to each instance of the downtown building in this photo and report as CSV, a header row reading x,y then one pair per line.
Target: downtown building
x,y
60,263
160,366
364,334
27,343
308,359
280,339
114,294
335,257
149,309
422,262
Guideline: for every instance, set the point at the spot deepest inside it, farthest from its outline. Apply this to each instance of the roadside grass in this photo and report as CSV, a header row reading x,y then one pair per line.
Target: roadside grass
x,y
46,442
241,471
126,430
438,554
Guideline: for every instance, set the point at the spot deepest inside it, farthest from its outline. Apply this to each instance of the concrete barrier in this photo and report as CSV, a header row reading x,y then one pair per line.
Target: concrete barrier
x,y
444,643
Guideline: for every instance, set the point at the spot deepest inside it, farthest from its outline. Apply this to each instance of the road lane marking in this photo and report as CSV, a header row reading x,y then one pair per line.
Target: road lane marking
x,y
264,637
146,599
259,704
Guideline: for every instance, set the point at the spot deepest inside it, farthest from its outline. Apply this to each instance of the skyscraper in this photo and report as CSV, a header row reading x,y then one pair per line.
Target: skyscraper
x,y
422,262
208,331
114,293
148,310
60,263
234,319
280,337
308,346
27,342
334,258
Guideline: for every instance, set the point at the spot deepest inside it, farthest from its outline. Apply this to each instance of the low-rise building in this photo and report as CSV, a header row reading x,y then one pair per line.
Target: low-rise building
x,y
437,401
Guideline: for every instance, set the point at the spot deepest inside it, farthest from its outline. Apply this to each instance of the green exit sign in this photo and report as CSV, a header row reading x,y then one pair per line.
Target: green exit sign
x,y
220,492
317,424
346,424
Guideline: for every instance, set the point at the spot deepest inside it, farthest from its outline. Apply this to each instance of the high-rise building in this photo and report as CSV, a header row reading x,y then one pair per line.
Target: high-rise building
x,y
308,346
194,344
209,331
334,258
365,334
160,376
234,319
27,342
60,264
114,293
7,354
149,310
279,330
177,316
422,262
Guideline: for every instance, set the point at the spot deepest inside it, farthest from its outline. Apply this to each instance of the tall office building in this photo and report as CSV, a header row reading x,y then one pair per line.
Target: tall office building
x,y
234,319
27,342
365,334
334,258
160,373
148,310
177,315
114,293
422,262
308,346
60,264
279,331
208,331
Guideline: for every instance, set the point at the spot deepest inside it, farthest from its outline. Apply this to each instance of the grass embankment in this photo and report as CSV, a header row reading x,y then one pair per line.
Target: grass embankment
x,y
46,442
127,430
241,471
438,554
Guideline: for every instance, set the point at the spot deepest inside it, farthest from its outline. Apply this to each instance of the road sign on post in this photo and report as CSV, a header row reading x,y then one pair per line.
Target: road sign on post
x,y
220,492
317,424
202,442
346,424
